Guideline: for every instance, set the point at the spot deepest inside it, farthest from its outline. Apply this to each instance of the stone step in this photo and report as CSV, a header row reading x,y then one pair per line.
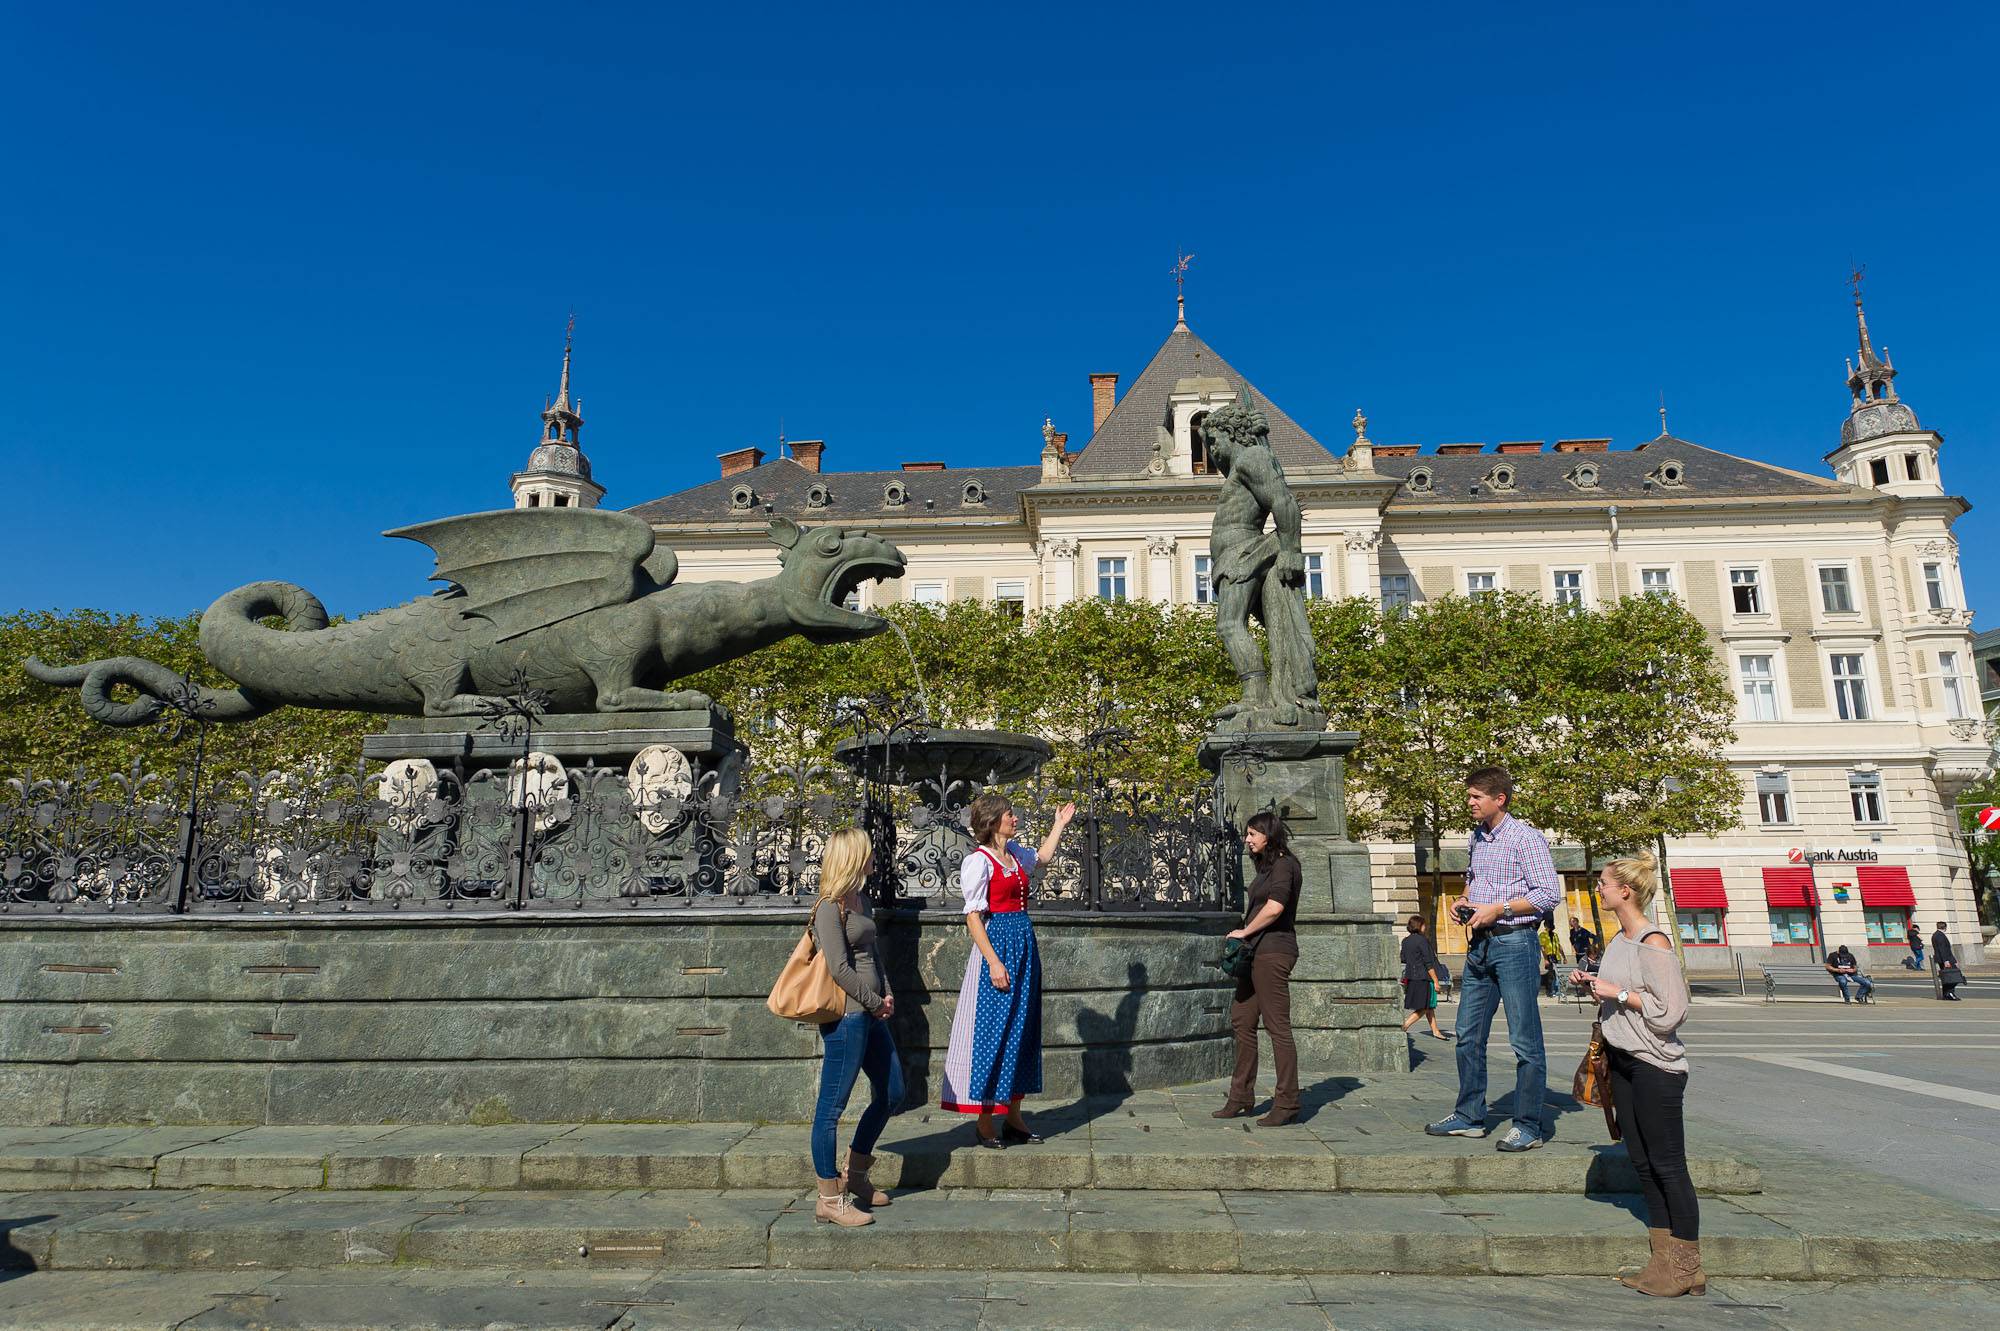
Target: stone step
x,y
1078,1230
1110,1152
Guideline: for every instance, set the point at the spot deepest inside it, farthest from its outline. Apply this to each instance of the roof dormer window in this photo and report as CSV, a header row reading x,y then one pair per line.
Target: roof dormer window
x,y
1420,480
1583,476
741,499
1670,474
973,493
818,496
1501,477
895,494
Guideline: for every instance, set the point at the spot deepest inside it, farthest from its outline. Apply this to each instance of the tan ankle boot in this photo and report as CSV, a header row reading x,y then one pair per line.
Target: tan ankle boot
x,y
1683,1273
1656,1241
834,1207
856,1180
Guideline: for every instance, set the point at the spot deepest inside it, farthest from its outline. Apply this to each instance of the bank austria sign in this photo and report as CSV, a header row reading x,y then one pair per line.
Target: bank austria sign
x,y
1842,855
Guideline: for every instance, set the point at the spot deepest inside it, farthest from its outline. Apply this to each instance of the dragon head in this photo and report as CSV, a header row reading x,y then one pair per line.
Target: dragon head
x,y
822,566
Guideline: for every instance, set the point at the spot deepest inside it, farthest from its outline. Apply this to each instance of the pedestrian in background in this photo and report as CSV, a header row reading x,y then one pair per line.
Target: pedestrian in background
x,y
1420,972
1915,937
1265,994
1642,1001
860,1042
1510,883
1552,955
1949,976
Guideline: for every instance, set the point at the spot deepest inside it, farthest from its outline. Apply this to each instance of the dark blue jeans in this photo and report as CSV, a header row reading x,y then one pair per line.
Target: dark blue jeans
x,y
1502,968
855,1044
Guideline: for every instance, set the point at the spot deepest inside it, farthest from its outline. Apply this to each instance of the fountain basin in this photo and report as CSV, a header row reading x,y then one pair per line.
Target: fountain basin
x,y
985,757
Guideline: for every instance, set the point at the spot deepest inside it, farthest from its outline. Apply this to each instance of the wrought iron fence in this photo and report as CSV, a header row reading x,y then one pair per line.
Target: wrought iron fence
x,y
535,835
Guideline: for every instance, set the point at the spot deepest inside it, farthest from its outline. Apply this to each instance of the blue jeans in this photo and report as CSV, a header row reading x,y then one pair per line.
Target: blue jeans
x,y
1502,968
1867,985
855,1044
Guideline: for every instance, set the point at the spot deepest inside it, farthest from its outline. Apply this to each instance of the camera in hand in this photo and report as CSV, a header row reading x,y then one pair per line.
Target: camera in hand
x,y
1462,913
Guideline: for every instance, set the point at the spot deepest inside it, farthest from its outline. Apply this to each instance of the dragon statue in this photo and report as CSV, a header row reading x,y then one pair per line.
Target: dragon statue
x,y
578,603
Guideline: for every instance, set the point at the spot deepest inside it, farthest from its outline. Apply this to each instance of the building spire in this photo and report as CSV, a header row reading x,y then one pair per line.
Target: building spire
x,y
560,420
1181,262
1876,410
1663,413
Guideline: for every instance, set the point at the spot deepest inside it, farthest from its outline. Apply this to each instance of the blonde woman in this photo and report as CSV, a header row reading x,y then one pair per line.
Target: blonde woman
x,y
859,1042
995,1054
1642,1001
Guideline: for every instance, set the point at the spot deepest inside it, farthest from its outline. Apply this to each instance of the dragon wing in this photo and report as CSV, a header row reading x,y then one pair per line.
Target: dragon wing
x,y
528,568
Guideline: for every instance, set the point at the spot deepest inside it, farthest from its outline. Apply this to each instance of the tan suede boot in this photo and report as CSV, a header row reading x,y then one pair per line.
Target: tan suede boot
x,y
856,1181
835,1209
1656,1240
1683,1274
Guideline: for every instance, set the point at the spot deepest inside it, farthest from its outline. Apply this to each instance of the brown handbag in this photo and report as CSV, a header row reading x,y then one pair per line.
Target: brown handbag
x,y
1592,1083
806,989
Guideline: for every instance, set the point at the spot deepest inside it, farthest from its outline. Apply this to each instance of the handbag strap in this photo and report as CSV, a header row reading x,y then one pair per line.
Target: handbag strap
x,y
843,926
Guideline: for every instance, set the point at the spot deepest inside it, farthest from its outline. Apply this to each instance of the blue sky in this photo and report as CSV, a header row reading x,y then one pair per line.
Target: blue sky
x,y
278,281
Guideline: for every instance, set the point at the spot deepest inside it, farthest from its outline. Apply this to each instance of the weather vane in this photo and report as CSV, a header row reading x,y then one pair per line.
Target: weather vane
x,y
1181,263
1854,280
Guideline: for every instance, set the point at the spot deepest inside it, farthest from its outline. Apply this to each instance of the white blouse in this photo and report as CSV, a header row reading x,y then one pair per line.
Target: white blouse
x,y
977,872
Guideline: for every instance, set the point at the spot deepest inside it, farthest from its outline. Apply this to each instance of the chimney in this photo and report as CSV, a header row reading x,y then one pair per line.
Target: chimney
x,y
1522,446
1395,450
1103,397
923,466
1583,445
741,459
1458,450
807,452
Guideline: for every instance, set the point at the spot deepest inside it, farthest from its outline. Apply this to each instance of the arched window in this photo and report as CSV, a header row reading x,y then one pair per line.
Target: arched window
x,y
1197,444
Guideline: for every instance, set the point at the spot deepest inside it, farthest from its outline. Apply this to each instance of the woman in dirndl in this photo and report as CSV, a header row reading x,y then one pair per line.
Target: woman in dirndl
x,y
995,1055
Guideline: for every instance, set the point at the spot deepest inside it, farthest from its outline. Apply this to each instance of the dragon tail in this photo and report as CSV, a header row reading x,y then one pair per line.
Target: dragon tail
x,y
157,686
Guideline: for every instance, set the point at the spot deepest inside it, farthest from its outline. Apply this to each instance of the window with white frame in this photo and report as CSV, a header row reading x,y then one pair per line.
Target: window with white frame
x,y
928,593
1111,578
1746,591
1774,798
1395,592
1316,577
1569,587
1850,686
1481,584
1934,586
1889,925
1204,585
1011,595
1791,927
1760,687
1836,595
1656,581
1864,792
1953,685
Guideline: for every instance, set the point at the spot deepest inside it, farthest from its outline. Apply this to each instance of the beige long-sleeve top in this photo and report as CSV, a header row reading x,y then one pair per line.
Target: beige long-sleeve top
x,y
1654,977
852,957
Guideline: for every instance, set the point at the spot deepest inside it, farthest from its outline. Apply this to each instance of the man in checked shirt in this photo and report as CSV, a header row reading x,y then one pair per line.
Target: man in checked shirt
x,y
1510,884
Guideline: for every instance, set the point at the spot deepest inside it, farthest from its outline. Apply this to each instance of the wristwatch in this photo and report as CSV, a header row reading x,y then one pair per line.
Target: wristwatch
x,y
1623,994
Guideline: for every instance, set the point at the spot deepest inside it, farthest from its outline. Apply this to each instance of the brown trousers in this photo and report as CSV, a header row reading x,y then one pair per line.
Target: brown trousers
x,y
1265,994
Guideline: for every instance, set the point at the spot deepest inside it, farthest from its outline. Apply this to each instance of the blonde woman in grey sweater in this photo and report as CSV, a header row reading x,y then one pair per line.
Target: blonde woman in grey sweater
x,y
1642,1000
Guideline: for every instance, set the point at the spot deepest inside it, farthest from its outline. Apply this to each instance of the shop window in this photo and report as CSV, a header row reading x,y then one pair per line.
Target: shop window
x,y
1886,926
1791,927
1702,928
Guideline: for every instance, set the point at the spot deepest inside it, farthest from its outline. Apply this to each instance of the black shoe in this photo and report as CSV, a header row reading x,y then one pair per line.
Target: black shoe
x,y
1014,1136
993,1143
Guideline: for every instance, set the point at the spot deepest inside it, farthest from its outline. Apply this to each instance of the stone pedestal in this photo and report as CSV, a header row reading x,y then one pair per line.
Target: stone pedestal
x,y
1301,776
706,737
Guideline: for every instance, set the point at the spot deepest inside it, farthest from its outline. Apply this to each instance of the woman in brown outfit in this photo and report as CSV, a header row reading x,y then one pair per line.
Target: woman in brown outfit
x,y
1270,917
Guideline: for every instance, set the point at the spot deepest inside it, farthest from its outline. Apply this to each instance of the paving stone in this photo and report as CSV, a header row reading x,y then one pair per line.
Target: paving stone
x,y
440,1157
816,1301
264,1157
29,1220
1151,1231
1563,1234
1224,1156
639,1155
560,1231
426,1301
927,1231
98,1157
1303,1231
1154,1302
246,1229
114,1300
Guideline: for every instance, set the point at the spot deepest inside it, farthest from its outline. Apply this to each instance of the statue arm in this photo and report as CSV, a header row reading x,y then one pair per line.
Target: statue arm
x,y
1267,482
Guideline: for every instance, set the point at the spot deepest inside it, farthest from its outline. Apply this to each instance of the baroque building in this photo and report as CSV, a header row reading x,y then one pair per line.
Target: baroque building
x,y
1833,601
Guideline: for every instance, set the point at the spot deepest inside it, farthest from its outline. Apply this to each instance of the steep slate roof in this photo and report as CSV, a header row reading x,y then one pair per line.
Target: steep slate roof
x,y
851,495
1540,477
1123,445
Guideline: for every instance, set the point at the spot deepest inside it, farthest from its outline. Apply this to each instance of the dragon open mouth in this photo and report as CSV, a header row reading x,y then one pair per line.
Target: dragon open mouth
x,y
842,583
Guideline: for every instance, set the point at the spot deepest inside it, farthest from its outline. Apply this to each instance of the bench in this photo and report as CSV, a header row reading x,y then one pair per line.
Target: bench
x,y
1813,975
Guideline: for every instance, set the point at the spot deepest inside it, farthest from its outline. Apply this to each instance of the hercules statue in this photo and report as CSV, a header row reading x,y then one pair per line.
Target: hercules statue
x,y
1260,573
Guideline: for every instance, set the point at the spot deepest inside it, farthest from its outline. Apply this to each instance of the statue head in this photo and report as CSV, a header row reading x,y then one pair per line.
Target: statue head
x,y
1237,425
820,567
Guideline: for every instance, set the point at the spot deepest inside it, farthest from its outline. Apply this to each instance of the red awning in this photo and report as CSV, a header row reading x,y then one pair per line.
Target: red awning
x,y
1791,886
1699,889
1886,887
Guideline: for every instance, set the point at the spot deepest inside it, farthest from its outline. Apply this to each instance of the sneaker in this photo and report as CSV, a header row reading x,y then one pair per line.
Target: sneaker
x,y
1518,1139
1455,1125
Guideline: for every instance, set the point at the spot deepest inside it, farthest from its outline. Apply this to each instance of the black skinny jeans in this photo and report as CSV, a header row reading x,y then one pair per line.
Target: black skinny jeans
x,y
1649,1115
